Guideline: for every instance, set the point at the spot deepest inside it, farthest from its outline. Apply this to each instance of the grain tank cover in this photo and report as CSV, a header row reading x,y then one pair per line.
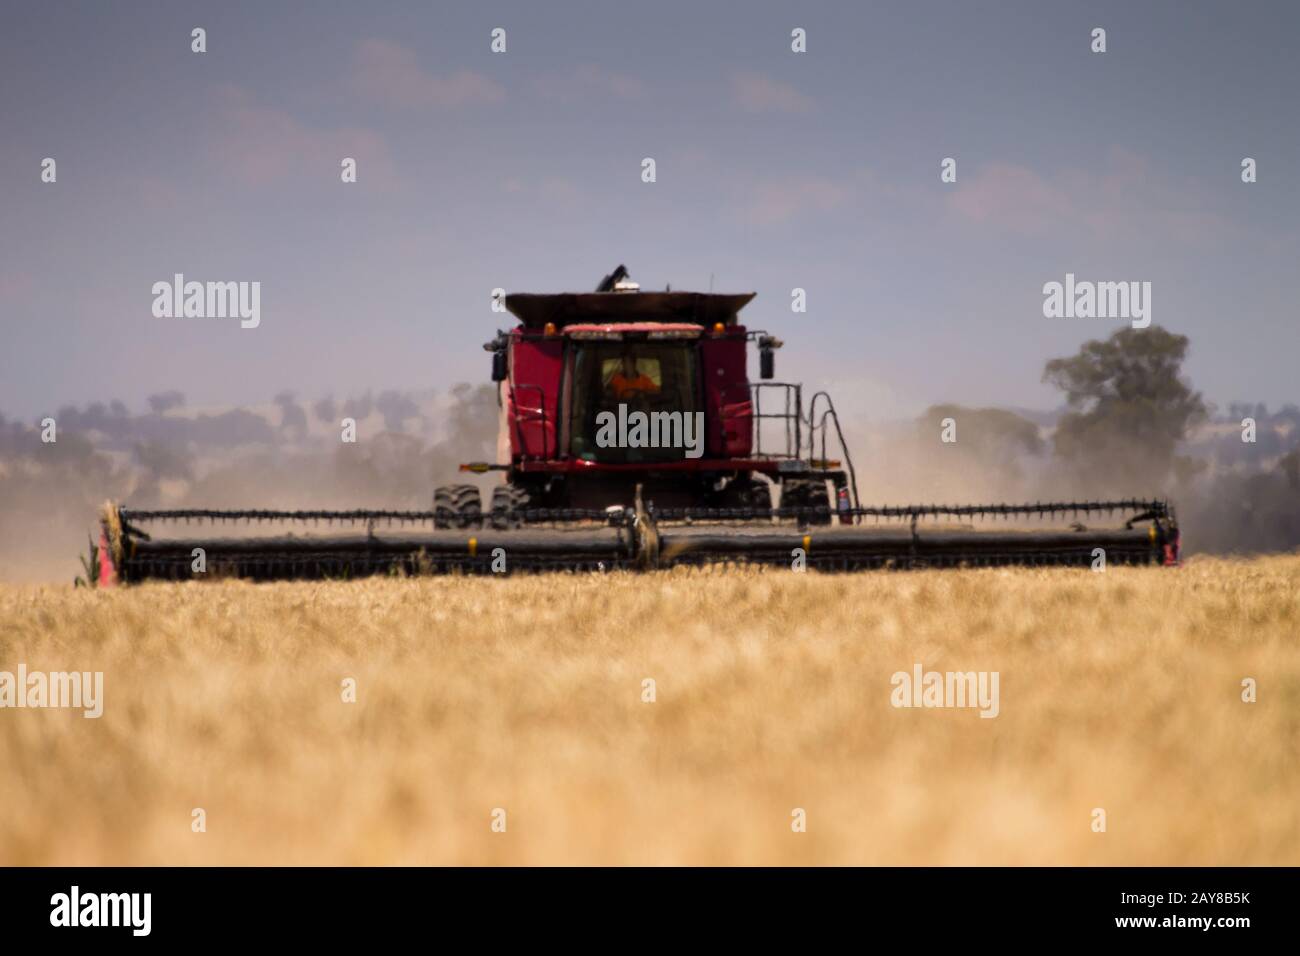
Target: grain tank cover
x,y
534,310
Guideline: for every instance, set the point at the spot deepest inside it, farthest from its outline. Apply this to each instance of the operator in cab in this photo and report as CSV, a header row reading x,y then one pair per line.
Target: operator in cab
x,y
627,381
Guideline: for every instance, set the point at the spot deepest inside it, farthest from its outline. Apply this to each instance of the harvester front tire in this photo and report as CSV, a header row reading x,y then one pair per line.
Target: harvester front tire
x,y
747,494
507,502
457,506
808,495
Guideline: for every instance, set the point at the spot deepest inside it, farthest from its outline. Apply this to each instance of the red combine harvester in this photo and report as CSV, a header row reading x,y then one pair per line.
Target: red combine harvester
x,y
631,436
664,359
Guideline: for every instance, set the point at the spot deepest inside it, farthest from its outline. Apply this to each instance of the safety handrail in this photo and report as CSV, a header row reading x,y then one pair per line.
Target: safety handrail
x,y
525,414
814,424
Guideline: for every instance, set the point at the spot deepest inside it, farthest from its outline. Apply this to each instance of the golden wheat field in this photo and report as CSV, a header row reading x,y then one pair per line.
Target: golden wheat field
x,y
1120,691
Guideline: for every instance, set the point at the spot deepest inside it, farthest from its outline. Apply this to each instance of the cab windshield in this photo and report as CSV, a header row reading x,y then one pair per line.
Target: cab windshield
x,y
640,376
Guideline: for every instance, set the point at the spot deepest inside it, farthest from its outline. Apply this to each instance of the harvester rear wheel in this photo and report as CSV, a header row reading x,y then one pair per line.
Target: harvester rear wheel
x,y
807,494
457,506
507,502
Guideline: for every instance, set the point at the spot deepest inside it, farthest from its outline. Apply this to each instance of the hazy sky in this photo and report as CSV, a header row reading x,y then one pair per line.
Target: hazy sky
x,y
523,170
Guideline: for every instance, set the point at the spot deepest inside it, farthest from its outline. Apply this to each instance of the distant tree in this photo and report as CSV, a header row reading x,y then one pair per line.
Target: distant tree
x,y
1248,511
992,439
326,411
163,460
1129,406
1290,466
1290,415
359,408
396,409
165,401
235,427
470,424
293,420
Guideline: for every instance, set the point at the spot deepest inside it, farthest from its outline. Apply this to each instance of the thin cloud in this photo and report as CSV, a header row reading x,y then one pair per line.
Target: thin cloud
x,y
589,80
1013,197
756,93
552,189
391,75
15,285
1124,198
775,201
258,144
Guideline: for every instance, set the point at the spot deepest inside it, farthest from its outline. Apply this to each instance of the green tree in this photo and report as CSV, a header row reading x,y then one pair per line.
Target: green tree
x,y
1129,406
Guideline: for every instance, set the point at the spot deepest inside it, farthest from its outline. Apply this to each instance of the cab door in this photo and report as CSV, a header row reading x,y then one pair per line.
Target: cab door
x,y
729,407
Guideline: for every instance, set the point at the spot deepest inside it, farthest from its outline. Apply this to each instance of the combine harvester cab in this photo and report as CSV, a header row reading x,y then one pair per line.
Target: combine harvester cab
x,y
631,436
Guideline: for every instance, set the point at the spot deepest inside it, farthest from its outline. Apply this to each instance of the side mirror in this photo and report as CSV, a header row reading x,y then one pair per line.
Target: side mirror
x,y
766,363
499,366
